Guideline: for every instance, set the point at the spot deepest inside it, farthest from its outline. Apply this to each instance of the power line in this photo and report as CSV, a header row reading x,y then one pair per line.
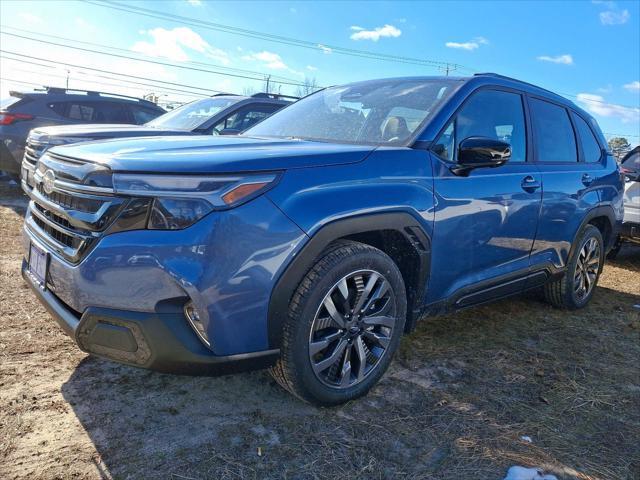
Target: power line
x,y
317,46
164,89
192,62
104,71
261,78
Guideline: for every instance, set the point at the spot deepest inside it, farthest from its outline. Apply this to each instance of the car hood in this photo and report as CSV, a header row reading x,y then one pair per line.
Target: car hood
x,y
98,131
212,154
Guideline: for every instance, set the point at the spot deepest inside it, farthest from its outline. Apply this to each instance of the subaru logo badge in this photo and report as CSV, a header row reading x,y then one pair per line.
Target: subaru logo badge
x,y
48,181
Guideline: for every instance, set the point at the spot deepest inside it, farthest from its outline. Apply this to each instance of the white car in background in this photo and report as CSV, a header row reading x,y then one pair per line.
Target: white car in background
x,y
630,232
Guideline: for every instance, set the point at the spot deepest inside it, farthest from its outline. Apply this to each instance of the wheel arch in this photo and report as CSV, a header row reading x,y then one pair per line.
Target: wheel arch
x,y
398,234
604,219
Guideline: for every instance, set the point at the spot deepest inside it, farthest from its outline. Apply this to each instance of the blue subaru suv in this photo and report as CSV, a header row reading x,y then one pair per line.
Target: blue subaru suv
x,y
312,242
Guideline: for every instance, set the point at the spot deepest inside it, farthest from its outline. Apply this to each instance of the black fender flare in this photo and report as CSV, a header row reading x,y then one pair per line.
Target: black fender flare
x,y
289,280
599,211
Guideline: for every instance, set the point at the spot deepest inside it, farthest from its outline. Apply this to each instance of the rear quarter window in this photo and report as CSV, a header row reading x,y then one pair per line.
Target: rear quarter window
x,y
554,138
591,150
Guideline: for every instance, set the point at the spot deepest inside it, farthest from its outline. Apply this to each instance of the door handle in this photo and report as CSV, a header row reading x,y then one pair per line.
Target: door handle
x,y
587,179
530,184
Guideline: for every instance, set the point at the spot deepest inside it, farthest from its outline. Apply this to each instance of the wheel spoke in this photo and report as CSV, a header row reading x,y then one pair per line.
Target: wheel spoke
x,y
345,372
331,359
333,312
377,338
377,295
382,321
367,291
362,358
319,345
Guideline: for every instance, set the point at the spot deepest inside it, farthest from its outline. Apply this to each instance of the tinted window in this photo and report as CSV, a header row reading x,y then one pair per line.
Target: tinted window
x,y
143,115
489,113
78,111
246,117
107,112
632,162
553,133
590,148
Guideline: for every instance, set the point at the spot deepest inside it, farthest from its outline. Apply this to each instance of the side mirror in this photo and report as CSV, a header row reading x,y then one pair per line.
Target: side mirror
x,y
481,152
230,131
630,175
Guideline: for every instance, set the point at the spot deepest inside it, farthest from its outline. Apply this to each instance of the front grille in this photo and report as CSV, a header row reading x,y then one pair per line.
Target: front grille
x,y
81,204
56,234
72,216
33,152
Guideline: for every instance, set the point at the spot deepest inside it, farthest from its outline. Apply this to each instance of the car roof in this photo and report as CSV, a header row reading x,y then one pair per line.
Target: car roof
x,y
62,94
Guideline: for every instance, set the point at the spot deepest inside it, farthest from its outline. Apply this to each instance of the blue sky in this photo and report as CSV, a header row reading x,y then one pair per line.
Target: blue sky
x,y
587,50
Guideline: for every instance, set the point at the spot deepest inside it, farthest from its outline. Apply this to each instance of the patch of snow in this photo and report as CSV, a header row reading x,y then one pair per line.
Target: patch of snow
x,y
527,439
522,473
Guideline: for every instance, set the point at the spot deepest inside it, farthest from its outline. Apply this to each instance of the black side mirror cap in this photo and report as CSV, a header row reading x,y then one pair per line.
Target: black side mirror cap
x,y
481,152
230,131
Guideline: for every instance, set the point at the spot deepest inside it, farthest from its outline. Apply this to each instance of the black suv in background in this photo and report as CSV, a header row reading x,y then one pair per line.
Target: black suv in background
x,y
24,111
222,114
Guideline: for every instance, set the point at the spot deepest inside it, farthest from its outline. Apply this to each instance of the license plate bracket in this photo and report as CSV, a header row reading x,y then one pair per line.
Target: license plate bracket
x,y
38,264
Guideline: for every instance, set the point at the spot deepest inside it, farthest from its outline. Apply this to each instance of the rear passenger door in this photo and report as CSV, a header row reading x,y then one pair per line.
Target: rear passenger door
x,y
570,166
485,223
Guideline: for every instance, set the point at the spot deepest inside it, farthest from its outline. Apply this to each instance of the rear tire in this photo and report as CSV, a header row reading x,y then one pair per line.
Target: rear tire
x,y
344,324
575,289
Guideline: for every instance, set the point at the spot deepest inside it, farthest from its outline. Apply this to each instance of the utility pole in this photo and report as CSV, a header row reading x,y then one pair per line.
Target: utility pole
x,y
448,68
68,72
267,83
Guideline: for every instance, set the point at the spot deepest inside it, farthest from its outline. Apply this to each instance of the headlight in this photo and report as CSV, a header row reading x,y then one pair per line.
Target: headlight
x,y
181,200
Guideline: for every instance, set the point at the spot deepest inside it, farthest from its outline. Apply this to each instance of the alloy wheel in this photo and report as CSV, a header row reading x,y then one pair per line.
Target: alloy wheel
x,y
586,268
352,329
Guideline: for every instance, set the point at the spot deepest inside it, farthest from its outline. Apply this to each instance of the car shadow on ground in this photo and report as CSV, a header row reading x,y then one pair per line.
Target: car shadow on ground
x,y
149,425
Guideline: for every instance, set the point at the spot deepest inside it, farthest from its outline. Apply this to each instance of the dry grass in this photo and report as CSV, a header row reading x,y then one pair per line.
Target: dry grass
x,y
462,392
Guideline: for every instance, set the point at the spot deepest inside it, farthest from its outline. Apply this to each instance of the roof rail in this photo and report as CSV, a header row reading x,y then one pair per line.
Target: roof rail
x,y
71,91
223,94
497,75
275,96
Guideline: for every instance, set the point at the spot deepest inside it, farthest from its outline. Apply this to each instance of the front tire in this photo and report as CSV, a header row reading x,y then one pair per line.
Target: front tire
x,y
344,324
575,289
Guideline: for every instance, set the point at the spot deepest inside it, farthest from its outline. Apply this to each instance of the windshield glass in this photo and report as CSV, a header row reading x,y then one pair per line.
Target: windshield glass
x,y
382,112
192,115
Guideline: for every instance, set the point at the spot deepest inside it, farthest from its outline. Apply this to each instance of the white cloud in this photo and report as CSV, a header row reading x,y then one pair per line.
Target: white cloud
x,y
614,17
472,45
565,59
169,44
375,34
311,68
30,18
326,50
270,60
82,23
597,105
633,86
195,3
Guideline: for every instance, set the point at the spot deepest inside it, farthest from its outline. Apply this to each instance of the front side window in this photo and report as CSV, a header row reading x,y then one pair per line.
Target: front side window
x,y
553,134
194,114
489,113
382,112
590,148
245,118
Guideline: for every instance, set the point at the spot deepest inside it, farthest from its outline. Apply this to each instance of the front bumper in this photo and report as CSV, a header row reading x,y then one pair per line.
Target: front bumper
x,y
158,341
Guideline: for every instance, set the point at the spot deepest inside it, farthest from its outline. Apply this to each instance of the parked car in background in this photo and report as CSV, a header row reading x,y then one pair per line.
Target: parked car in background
x,y
24,111
316,239
222,114
630,231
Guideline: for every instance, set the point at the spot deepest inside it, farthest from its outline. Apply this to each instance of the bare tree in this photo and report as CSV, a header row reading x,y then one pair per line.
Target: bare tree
x,y
310,85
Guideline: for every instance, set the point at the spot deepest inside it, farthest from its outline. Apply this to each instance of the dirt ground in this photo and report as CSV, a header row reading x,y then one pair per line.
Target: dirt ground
x,y
458,398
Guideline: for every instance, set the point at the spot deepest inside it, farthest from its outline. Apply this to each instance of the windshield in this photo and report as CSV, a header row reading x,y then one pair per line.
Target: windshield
x,y
384,112
192,115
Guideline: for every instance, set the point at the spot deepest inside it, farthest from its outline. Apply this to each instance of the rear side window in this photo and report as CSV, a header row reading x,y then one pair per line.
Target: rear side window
x,y
92,112
489,113
590,148
553,134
